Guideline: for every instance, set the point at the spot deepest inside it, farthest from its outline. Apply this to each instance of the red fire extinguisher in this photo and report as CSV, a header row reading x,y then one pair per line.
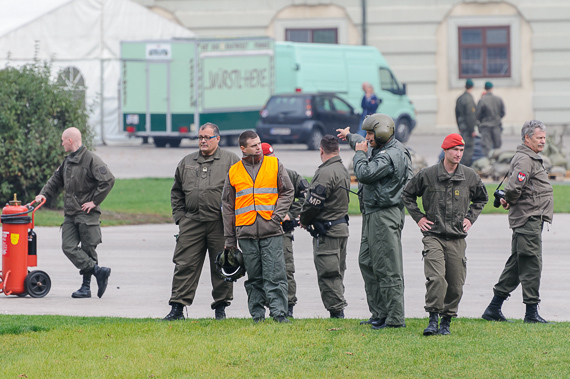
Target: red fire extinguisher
x,y
19,251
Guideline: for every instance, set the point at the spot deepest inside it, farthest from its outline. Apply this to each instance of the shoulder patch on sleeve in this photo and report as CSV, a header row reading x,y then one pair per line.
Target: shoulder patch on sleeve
x,y
521,176
103,170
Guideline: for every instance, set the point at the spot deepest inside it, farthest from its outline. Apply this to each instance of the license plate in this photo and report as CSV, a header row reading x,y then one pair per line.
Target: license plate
x,y
280,131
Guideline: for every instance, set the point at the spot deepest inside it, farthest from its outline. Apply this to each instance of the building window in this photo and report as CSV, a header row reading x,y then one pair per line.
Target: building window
x,y
312,35
484,52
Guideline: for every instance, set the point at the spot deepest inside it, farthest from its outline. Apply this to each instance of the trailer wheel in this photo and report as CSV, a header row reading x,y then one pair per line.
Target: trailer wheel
x,y
37,283
159,141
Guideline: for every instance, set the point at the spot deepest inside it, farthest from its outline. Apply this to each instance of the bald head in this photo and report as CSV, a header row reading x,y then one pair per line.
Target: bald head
x,y
71,140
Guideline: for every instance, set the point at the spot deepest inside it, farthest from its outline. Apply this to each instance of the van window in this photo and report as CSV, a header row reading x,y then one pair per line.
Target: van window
x,y
388,81
286,105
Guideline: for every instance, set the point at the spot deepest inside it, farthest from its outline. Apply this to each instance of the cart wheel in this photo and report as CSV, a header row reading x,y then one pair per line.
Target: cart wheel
x,y
37,284
22,294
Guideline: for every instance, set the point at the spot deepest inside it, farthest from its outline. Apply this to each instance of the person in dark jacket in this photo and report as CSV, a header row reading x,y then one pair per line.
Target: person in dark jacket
x,y
465,116
87,181
529,198
370,103
489,112
453,196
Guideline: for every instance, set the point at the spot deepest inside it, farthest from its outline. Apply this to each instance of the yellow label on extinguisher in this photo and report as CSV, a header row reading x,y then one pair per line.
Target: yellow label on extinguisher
x,y
14,238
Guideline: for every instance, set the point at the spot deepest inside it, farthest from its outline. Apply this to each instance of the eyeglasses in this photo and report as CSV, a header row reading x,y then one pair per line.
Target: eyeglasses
x,y
205,138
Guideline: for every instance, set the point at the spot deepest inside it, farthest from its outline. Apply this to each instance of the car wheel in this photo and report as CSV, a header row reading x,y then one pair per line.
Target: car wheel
x,y
314,141
403,130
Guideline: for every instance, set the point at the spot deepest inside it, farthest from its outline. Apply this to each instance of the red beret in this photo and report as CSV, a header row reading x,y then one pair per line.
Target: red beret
x,y
267,149
452,140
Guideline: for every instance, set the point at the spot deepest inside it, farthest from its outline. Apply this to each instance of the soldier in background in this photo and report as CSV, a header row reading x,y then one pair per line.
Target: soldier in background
x,y
490,110
289,222
465,116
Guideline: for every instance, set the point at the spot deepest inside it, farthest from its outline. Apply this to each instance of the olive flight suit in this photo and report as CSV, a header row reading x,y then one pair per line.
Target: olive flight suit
x,y
327,201
196,198
465,116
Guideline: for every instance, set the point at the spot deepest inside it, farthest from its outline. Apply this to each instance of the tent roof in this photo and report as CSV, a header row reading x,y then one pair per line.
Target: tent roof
x,y
17,13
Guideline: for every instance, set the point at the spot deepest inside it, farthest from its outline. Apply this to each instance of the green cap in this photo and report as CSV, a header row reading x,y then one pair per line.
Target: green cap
x,y
488,85
469,83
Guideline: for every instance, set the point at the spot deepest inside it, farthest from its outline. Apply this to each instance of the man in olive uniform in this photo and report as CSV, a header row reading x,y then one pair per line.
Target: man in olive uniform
x,y
383,174
196,199
301,185
466,121
87,181
256,197
453,196
529,199
490,110
325,212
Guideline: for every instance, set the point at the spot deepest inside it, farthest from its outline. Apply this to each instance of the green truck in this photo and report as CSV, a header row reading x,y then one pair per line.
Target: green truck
x,y
168,88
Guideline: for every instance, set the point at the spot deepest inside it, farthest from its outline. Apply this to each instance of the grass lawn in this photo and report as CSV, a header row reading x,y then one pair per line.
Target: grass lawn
x,y
147,201
79,347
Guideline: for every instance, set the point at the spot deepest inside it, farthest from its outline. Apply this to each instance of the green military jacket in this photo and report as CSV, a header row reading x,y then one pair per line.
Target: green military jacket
x,y
329,180
84,177
383,175
528,190
490,110
295,209
465,113
198,183
447,199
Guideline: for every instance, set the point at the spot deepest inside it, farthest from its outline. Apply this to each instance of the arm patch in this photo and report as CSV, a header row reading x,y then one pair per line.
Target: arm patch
x,y
317,197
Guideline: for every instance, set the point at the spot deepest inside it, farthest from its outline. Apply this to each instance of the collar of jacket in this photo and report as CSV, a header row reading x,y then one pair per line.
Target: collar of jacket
x,y
331,160
201,158
443,175
524,149
387,145
77,154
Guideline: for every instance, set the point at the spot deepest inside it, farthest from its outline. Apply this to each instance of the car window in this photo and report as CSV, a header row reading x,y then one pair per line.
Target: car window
x,y
340,106
323,104
388,81
287,105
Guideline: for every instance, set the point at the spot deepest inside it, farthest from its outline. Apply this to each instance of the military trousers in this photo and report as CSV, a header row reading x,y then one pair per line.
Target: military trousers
x,y
266,283
288,239
445,268
80,235
381,264
195,239
524,265
329,254
490,138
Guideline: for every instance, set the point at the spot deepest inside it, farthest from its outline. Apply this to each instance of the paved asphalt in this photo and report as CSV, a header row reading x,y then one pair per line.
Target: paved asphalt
x,y
141,257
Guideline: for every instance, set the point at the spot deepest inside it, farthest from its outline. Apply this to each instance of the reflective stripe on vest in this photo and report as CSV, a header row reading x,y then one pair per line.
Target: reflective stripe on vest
x,y
255,198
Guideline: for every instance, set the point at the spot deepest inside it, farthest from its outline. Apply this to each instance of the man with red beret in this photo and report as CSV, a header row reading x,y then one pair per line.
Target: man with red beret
x,y
453,196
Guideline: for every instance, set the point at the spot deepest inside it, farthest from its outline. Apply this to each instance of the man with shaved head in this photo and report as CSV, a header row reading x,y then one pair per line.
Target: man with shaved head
x,y
87,181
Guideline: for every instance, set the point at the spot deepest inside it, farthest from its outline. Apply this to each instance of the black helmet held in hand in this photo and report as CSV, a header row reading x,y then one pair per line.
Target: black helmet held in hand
x,y
229,264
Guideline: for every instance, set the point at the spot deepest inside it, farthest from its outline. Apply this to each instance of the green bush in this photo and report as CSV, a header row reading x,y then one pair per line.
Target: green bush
x,y
34,111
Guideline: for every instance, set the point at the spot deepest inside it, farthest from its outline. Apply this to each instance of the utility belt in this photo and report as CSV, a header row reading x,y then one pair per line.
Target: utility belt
x,y
320,228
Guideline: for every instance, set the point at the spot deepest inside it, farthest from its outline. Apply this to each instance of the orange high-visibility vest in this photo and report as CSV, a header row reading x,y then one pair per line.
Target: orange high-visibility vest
x,y
255,198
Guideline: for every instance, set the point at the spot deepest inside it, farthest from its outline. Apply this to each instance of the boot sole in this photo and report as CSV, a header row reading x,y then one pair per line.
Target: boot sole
x,y
73,295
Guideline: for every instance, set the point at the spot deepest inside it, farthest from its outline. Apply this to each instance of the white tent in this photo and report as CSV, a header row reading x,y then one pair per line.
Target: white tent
x,y
82,38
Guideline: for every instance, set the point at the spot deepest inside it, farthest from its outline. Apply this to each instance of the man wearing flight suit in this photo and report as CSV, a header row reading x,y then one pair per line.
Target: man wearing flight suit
x,y
87,181
529,199
326,212
489,112
465,116
453,196
301,185
196,199
257,194
383,174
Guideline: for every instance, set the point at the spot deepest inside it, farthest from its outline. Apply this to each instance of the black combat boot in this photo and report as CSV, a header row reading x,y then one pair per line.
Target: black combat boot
x,y
531,315
176,313
339,314
493,311
444,326
372,321
85,290
102,275
377,322
290,311
432,326
280,319
220,312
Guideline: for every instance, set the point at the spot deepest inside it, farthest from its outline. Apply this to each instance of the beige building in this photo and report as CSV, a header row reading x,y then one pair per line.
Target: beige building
x,y
522,46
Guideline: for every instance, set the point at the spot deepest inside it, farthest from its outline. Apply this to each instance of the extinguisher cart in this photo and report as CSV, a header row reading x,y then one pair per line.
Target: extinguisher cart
x,y
19,251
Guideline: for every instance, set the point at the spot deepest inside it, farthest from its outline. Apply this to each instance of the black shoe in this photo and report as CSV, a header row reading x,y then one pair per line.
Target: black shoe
x,y
102,275
280,319
85,290
531,315
258,319
371,321
432,327
290,311
176,313
378,321
337,314
384,326
220,312
493,311
444,326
